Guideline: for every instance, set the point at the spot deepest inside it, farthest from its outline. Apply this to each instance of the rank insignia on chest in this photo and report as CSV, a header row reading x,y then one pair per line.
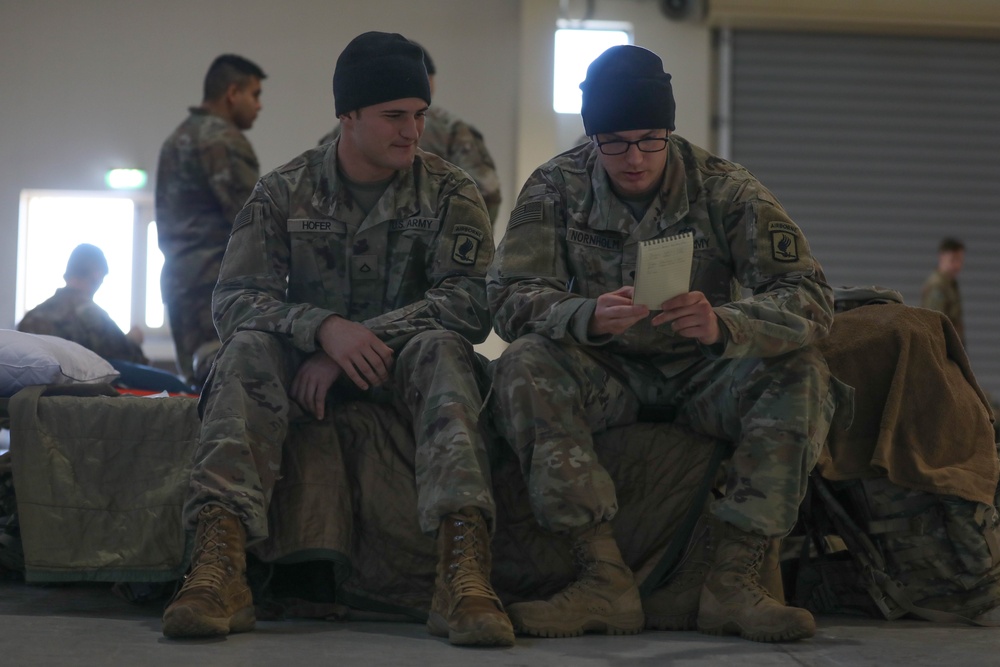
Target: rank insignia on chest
x,y
364,267
784,243
466,246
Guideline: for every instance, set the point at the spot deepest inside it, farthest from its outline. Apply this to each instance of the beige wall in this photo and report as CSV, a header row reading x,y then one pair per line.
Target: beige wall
x,y
91,85
88,85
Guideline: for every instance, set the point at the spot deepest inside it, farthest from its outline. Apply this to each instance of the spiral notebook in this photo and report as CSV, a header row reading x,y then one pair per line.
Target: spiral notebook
x,y
663,269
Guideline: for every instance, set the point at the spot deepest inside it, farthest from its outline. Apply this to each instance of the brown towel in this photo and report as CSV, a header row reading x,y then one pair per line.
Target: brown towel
x,y
919,415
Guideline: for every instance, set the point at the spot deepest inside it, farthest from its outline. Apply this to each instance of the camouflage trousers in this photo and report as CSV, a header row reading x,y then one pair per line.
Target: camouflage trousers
x,y
549,398
190,316
438,379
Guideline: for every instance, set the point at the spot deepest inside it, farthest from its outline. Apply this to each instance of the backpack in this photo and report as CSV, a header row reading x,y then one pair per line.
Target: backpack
x,y
11,553
872,547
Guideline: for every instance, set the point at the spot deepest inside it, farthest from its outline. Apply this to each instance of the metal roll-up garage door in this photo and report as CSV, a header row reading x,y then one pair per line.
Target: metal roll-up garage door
x,y
879,146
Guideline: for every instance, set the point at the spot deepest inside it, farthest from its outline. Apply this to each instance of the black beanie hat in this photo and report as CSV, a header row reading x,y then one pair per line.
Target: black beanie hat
x,y
627,89
379,67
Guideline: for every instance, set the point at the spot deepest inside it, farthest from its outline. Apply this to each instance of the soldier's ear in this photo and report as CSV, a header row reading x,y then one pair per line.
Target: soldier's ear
x,y
232,91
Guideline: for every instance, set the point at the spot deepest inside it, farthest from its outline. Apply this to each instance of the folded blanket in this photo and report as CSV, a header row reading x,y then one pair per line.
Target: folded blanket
x,y
920,417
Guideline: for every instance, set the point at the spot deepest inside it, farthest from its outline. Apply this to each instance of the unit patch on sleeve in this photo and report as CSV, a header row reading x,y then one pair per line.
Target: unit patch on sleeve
x,y
466,248
784,242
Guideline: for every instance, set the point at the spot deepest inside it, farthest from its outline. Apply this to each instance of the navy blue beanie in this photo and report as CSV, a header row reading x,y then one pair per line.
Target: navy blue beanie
x,y
378,67
627,89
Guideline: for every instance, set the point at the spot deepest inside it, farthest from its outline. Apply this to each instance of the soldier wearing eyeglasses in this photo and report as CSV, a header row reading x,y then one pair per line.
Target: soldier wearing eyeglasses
x,y
583,358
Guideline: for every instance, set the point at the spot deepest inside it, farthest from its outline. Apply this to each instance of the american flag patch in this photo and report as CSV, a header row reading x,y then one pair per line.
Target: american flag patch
x,y
530,212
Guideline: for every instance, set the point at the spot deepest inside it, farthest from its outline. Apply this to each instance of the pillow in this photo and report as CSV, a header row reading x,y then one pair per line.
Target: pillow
x,y
27,359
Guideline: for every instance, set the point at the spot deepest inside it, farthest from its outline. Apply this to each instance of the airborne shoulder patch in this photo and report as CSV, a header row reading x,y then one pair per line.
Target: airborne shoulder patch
x,y
784,242
466,247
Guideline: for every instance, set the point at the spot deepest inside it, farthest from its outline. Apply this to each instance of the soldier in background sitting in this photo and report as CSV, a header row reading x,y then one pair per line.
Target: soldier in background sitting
x,y
71,313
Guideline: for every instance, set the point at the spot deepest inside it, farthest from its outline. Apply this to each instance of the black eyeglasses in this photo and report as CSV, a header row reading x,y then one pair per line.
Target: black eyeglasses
x,y
620,146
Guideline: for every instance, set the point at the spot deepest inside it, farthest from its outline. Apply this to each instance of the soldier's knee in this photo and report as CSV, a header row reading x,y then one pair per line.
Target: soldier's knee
x,y
436,337
245,347
252,342
434,344
526,348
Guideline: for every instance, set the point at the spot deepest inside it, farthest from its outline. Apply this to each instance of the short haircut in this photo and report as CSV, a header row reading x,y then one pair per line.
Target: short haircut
x,y
226,70
950,244
84,260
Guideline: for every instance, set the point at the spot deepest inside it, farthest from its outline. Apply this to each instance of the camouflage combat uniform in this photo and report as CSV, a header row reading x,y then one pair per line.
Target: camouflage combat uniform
x,y
206,171
412,271
940,293
762,387
73,315
461,144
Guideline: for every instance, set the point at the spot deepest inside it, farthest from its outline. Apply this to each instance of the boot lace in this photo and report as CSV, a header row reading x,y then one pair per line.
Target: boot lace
x,y
752,565
467,578
586,567
212,565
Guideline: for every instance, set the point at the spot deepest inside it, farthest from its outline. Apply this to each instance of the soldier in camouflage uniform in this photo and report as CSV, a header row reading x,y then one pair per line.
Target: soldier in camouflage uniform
x,y
206,171
356,271
457,142
72,314
940,291
583,358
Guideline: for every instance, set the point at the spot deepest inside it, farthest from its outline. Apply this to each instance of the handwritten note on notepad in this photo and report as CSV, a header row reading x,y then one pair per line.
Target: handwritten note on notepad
x,y
663,269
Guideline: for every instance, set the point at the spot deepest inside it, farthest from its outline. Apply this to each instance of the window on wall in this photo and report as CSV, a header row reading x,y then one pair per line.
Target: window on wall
x,y
577,44
52,223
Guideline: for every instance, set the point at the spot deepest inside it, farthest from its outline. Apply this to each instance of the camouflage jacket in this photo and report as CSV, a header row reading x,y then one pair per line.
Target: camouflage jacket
x,y
461,144
940,293
73,315
302,250
570,239
206,171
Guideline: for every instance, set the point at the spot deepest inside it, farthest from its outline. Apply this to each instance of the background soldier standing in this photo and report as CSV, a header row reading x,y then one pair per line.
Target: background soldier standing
x,y
206,171
940,291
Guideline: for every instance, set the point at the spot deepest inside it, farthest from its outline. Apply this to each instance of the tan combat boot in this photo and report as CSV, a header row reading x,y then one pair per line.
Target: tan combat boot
x,y
604,597
215,598
674,606
733,600
464,608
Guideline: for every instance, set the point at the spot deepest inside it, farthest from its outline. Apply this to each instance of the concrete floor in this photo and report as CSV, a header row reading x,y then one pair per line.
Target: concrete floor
x,y
85,624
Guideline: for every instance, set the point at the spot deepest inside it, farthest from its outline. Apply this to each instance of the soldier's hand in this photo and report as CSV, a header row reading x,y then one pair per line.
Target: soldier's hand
x,y
357,350
312,382
615,313
691,316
